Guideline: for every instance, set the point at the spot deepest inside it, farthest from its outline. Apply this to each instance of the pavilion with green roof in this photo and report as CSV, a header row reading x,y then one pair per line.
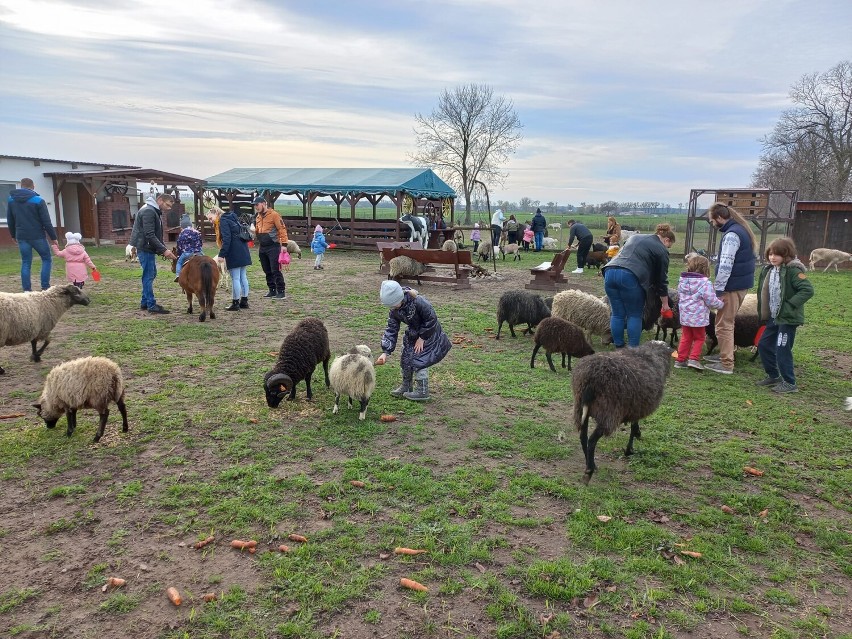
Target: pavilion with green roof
x,y
415,190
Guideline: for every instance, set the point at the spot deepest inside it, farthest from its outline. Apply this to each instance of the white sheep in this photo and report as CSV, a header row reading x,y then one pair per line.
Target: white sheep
x,y
88,382
484,250
30,317
353,375
403,267
550,244
450,245
584,310
294,249
832,256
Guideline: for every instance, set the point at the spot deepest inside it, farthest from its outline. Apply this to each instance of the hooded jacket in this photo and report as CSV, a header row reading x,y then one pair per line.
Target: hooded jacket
x,y
76,260
27,216
539,223
695,299
147,233
422,321
234,250
796,289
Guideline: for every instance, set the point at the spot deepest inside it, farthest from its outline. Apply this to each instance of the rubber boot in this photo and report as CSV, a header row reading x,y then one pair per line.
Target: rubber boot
x,y
420,392
235,306
244,302
271,293
405,387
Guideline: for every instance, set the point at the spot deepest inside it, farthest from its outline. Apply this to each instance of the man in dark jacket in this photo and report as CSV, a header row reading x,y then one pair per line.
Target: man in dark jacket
x,y
28,220
584,243
539,224
147,237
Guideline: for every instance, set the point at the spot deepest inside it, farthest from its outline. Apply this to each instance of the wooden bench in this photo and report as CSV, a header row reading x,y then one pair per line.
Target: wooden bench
x,y
429,257
549,277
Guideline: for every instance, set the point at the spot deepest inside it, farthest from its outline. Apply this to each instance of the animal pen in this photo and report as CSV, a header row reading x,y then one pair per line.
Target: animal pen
x,y
415,191
769,210
823,225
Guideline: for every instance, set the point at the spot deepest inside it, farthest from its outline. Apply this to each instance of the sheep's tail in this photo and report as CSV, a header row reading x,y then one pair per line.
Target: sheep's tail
x,y
581,410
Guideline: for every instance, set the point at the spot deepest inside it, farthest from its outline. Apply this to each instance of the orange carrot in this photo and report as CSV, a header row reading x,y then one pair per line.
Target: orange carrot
x,y
408,551
388,418
239,544
412,585
210,596
284,548
753,471
13,415
691,553
763,513
174,596
357,483
199,545
727,510
252,550
115,582
299,538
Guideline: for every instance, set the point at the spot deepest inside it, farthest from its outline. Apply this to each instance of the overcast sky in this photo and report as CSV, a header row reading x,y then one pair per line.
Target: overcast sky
x,y
621,100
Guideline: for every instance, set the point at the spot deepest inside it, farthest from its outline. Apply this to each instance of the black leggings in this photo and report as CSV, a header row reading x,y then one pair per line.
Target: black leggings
x,y
583,251
269,264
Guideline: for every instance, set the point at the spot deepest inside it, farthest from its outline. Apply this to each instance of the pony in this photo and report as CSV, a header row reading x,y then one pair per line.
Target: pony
x,y
418,227
200,276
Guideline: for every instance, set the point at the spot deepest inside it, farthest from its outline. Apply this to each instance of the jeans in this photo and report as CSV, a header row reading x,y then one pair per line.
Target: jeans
x,y
43,249
539,240
496,232
183,259
583,247
776,350
148,262
691,342
239,281
627,300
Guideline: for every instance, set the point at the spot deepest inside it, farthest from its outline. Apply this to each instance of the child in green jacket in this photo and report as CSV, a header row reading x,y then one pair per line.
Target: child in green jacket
x,y
782,291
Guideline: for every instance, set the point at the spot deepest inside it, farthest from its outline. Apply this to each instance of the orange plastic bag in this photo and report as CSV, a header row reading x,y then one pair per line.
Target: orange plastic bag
x,y
96,275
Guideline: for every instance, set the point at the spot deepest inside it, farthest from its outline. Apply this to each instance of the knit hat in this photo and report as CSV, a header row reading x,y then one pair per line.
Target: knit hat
x,y
72,238
318,229
476,225
391,293
185,222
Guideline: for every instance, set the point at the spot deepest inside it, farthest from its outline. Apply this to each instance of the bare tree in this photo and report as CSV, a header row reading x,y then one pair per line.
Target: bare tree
x,y
467,137
811,145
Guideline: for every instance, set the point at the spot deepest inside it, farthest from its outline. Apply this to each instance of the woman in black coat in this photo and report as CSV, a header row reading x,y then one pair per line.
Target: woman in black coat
x,y
235,252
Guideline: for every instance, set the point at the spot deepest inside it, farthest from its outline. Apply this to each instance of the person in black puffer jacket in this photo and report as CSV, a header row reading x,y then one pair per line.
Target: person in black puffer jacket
x,y
235,252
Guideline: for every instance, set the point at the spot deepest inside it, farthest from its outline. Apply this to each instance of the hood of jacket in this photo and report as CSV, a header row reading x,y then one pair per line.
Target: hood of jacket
x,y
152,201
22,195
692,282
75,249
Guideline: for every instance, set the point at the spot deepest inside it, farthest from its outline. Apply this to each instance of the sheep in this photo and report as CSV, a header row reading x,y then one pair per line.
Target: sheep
x,y
599,246
30,317
484,250
833,256
558,336
849,403
746,326
584,310
618,387
451,246
130,254
596,259
513,249
403,267
670,323
301,351
520,307
550,244
353,375
627,234
294,249
88,382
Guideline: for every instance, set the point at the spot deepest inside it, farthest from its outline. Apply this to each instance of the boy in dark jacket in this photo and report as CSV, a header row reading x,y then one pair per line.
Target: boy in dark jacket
x,y
424,343
782,290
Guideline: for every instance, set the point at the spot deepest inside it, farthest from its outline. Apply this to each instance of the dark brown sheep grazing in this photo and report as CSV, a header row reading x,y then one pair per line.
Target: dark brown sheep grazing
x,y
556,335
301,351
520,307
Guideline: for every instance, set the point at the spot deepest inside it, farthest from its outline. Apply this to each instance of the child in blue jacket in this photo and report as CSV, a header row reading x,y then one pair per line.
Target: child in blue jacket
x,y
318,247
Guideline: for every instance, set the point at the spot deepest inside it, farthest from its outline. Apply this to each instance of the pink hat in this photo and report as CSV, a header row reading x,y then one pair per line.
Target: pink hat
x,y
318,229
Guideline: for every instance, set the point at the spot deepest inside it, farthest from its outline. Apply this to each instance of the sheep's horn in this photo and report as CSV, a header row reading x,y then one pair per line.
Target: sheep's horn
x,y
276,380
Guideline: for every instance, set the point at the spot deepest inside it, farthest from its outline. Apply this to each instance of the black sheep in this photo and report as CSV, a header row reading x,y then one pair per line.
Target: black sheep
x,y
520,307
305,347
557,335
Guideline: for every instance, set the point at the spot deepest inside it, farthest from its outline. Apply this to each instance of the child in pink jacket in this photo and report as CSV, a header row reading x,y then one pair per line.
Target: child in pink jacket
x,y
76,259
696,298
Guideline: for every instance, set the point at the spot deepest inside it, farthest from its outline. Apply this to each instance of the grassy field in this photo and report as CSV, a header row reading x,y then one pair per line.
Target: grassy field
x,y
486,478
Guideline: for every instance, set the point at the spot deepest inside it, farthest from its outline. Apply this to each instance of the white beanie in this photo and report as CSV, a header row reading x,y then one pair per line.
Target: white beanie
x,y
72,238
391,293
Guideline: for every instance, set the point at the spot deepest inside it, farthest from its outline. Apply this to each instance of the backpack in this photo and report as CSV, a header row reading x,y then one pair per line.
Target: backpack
x,y
245,232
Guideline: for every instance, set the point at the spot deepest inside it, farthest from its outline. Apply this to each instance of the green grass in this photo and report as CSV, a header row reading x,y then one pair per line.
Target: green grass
x,y
486,479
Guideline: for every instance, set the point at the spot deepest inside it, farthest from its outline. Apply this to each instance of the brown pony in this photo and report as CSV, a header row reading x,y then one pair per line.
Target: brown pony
x,y
200,276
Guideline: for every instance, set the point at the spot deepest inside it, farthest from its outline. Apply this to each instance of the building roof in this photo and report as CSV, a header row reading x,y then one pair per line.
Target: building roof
x,y
416,182
134,173
103,164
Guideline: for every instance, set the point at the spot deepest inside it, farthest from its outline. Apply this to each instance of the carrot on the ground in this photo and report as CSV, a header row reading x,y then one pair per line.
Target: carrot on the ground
x,y
727,509
357,483
412,585
388,418
408,551
115,582
295,537
210,596
200,544
174,596
243,545
753,471
284,548
691,553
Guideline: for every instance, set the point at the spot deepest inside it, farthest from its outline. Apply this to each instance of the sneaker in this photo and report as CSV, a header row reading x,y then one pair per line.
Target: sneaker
x,y
769,381
143,307
717,367
713,358
158,310
577,271
785,387
694,363
281,296
270,294
678,364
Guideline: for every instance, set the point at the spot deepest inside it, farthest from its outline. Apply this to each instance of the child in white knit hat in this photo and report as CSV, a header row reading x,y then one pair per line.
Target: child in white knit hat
x,y
424,344
76,259
318,247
